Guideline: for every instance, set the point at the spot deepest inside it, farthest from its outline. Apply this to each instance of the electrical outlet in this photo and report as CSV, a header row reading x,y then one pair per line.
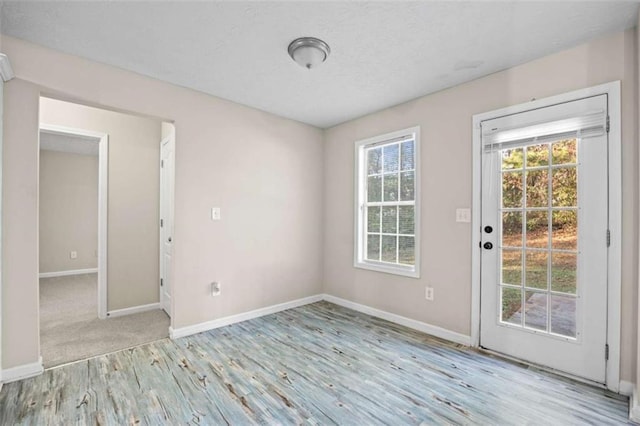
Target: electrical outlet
x,y
73,255
215,213
428,294
216,288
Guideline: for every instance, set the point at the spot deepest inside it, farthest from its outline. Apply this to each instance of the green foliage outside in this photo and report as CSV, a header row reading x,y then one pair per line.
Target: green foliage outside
x,y
563,193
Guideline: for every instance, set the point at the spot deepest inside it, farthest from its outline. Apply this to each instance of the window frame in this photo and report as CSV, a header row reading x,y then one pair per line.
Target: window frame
x,y
360,175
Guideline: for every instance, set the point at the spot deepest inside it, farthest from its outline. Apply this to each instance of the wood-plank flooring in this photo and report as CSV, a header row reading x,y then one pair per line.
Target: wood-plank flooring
x,y
318,364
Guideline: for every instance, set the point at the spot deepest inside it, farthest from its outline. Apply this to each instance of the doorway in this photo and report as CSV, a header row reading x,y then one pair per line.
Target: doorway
x,y
72,149
98,285
548,207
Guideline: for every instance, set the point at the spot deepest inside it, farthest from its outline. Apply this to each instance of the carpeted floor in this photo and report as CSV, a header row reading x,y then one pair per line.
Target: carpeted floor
x,y
70,329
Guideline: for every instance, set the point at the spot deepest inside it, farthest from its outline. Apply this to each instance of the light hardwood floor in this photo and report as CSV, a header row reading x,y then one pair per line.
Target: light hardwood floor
x,y
318,364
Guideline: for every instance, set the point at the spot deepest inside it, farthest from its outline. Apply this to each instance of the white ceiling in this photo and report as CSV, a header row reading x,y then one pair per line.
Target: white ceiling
x,y
69,143
382,53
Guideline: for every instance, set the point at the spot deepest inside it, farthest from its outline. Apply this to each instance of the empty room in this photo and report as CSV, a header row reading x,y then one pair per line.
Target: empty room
x,y
352,213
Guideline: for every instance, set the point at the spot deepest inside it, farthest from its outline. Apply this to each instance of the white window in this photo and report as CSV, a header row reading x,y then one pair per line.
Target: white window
x,y
387,207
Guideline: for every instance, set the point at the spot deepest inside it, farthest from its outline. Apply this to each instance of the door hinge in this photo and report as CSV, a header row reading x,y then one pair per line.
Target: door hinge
x,y
608,124
608,238
161,223
606,352
161,163
161,282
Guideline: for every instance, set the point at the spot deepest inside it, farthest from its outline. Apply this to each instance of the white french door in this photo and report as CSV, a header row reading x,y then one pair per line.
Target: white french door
x,y
545,236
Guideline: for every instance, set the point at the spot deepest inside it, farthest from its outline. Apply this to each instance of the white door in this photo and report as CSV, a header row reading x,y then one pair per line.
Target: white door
x,y
166,221
545,236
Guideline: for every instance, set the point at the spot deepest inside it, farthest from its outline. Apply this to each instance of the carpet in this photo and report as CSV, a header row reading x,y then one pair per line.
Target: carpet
x,y
70,329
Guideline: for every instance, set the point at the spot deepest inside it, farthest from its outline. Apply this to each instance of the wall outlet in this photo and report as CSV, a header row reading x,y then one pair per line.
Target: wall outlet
x,y
215,213
428,293
73,255
216,288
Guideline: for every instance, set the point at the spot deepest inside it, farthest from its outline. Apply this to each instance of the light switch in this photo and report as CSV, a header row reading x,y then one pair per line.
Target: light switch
x,y
463,215
215,213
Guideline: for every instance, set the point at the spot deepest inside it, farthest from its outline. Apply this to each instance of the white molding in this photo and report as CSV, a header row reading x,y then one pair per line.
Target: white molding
x,y
476,232
1,215
133,310
358,208
634,407
626,388
55,129
103,213
612,90
103,195
433,330
6,72
614,287
22,372
168,221
69,272
176,333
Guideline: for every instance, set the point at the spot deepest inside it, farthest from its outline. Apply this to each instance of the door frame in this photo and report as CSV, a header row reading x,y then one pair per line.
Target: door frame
x,y
614,286
171,138
103,205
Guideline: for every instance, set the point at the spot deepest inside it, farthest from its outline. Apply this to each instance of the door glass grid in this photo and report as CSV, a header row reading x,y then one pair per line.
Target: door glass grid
x,y
539,229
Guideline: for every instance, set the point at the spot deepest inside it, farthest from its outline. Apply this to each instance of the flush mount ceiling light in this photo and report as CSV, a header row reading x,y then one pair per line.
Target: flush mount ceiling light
x,y
309,52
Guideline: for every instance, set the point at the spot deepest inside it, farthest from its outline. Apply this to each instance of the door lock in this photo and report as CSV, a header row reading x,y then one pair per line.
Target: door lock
x,y
488,246
488,229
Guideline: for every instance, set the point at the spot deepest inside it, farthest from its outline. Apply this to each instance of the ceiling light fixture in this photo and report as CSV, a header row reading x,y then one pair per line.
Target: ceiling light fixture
x,y
309,52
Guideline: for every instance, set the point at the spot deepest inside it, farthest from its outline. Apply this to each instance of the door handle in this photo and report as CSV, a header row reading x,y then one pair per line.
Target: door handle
x,y
488,246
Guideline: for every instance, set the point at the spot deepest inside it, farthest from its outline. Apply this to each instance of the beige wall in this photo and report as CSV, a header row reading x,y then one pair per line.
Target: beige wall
x,y
68,211
446,184
265,172
134,188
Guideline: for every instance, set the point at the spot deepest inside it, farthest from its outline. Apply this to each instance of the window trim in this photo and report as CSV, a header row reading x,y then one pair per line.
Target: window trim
x,y
358,207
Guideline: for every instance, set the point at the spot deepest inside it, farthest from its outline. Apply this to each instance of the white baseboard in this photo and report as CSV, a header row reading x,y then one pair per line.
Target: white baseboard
x,y
625,388
176,333
133,310
22,372
634,407
433,330
71,272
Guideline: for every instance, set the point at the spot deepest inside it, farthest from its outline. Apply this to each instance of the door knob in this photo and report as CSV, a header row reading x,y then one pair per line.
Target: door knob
x,y
169,239
488,229
488,246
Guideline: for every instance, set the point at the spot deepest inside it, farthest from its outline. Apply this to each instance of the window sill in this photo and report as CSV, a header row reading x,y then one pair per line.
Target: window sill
x,y
405,271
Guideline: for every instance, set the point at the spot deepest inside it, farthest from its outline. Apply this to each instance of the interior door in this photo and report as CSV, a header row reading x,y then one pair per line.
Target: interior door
x,y
545,237
166,221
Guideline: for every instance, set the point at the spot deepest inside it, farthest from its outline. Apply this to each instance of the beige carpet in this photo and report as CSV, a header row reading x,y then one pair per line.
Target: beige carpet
x,y
70,329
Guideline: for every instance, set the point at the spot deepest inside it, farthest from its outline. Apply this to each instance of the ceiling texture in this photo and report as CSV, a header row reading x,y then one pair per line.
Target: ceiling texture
x,y
382,53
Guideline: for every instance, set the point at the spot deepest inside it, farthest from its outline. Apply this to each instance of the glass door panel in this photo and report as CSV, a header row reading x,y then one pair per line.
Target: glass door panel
x,y
539,249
